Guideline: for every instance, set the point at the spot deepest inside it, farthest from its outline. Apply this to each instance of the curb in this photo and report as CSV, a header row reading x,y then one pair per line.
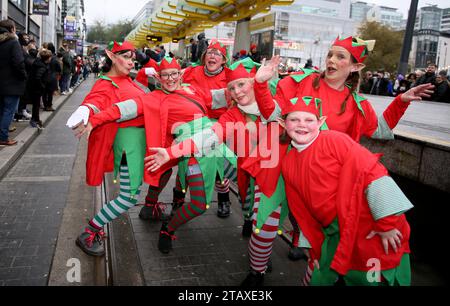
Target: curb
x,y
10,154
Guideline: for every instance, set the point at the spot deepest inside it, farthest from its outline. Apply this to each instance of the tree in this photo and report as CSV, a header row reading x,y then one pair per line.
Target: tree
x,y
386,54
102,33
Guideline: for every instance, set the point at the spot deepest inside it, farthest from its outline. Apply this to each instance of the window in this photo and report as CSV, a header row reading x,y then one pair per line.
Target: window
x,y
19,3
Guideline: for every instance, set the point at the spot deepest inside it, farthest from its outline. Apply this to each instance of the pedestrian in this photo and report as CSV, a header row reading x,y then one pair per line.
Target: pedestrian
x,y
202,45
54,74
66,69
24,40
350,210
366,83
254,53
336,87
39,77
173,112
242,54
12,78
194,57
442,91
428,77
118,146
380,84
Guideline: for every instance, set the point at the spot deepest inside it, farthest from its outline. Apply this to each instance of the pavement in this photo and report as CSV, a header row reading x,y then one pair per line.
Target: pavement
x,y
44,204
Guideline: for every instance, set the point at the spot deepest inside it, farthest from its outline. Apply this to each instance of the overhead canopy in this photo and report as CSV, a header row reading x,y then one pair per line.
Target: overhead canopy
x,y
181,18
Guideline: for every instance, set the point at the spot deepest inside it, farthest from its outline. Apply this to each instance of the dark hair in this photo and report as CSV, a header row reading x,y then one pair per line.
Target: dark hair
x,y
108,62
51,47
8,24
22,40
352,81
33,53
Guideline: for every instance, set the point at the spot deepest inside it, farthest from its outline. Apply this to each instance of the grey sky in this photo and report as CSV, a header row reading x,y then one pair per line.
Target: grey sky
x,y
112,11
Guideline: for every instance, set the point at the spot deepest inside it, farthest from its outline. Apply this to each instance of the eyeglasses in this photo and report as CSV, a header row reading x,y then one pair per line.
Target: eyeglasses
x,y
213,53
173,75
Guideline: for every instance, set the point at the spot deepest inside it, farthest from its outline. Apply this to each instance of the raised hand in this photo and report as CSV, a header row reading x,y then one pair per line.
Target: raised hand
x,y
155,161
392,238
418,92
267,69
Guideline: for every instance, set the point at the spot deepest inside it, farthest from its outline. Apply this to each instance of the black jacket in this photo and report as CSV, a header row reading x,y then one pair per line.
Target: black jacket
x,y
442,92
12,68
38,77
54,70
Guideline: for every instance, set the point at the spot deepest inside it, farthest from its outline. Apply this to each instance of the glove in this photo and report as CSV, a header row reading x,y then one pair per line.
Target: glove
x,y
150,71
81,114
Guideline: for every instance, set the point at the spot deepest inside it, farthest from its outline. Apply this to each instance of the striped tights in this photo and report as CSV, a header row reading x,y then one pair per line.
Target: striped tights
x,y
261,244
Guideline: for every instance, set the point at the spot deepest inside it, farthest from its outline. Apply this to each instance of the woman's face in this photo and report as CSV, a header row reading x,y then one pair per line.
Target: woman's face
x,y
339,64
213,59
123,63
241,91
170,79
302,127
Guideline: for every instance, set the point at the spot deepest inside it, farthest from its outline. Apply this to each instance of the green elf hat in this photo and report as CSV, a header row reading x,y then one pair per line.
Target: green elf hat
x,y
245,68
115,46
167,63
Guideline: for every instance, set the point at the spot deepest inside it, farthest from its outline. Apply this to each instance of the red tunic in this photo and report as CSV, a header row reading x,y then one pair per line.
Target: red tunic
x,y
196,77
100,157
326,181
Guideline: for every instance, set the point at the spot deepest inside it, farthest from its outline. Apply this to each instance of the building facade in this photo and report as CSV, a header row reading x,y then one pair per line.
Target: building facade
x,y
144,13
361,12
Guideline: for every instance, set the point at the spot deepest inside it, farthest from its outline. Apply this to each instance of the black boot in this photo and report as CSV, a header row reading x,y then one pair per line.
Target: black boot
x,y
178,199
165,239
148,212
91,241
297,253
253,279
223,205
247,228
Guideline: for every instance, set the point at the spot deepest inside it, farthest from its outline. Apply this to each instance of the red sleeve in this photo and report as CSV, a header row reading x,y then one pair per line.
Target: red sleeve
x,y
387,223
395,111
111,114
264,99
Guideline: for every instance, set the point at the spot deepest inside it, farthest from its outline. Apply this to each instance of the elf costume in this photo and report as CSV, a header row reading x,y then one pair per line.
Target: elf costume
x,y
339,192
215,82
118,146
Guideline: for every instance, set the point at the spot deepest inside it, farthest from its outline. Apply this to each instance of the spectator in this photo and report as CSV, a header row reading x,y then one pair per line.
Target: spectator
x,y
380,84
442,90
51,84
412,79
428,77
66,69
24,41
202,45
39,79
254,53
308,64
404,86
12,78
243,54
194,57
86,68
96,69
366,83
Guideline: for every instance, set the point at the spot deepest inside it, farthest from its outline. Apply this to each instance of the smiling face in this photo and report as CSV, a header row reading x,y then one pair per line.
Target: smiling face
x,y
170,79
214,60
241,91
302,127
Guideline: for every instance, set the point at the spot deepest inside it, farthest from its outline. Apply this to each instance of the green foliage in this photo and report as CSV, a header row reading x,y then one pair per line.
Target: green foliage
x,y
101,33
386,53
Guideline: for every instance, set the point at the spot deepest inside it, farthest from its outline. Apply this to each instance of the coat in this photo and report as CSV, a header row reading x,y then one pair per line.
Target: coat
x,y
12,67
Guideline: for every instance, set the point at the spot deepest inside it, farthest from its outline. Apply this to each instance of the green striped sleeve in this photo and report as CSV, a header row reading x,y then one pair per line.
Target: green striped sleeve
x,y
128,110
383,131
385,198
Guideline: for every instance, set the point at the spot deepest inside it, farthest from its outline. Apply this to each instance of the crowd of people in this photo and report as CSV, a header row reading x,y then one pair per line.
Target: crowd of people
x,y
33,75
385,84
216,120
